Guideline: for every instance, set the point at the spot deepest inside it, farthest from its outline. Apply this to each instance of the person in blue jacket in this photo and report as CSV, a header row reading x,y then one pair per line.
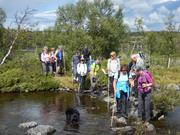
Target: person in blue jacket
x,y
122,82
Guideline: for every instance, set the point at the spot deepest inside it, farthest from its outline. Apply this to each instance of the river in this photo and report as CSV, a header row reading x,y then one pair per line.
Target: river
x,y
49,108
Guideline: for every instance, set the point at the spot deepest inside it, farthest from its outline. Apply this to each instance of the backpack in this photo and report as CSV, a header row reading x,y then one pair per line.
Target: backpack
x,y
39,57
127,82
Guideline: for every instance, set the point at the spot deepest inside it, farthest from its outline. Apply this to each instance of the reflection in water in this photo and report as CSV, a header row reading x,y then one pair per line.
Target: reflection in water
x,y
48,108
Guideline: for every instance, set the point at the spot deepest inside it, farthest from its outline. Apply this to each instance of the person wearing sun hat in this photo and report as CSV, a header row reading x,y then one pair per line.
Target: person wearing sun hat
x,y
113,66
82,71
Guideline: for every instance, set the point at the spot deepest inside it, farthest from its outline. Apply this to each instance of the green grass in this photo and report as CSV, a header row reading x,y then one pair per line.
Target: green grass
x,y
24,73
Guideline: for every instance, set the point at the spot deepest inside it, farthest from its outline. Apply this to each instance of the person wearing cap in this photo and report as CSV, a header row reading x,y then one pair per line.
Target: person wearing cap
x,y
82,71
59,58
145,83
46,61
113,66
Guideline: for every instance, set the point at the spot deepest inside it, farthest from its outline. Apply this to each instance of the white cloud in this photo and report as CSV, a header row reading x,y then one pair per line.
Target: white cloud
x,y
51,14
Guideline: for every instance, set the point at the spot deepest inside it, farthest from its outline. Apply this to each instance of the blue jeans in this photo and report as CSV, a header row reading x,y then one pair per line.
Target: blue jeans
x,y
47,68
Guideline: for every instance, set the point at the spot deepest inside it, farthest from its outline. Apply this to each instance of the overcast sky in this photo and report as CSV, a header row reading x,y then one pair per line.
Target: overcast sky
x,y
153,11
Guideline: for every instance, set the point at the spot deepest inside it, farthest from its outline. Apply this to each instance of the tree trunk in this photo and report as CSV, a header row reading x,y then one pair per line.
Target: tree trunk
x,y
10,49
169,62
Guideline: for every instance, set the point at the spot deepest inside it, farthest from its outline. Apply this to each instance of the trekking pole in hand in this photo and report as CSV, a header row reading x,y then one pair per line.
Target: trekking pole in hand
x,y
108,95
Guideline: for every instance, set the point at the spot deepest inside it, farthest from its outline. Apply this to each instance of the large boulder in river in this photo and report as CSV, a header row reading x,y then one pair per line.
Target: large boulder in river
x,y
28,125
172,86
41,130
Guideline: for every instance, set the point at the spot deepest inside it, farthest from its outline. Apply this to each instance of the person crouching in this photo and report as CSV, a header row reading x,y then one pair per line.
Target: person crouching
x,y
122,81
82,71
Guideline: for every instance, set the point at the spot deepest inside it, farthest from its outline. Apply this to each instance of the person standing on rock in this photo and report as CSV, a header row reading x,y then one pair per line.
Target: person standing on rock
x,y
122,82
94,73
82,71
145,83
113,66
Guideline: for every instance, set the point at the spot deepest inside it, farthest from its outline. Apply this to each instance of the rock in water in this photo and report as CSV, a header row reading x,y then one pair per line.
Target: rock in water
x,y
122,121
108,99
124,130
150,129
162,117
41,130
28,125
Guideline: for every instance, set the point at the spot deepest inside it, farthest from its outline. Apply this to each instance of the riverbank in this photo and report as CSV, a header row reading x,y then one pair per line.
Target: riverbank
x,y
23,74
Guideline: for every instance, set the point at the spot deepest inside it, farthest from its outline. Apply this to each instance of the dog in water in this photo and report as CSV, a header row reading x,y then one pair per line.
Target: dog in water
x,y
72,116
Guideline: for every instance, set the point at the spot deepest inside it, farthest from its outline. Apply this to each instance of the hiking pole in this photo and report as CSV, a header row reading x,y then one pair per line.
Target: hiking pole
x,y
108,95
113,113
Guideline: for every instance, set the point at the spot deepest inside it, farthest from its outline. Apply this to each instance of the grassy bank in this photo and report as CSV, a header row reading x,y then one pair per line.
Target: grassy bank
x,y
23,73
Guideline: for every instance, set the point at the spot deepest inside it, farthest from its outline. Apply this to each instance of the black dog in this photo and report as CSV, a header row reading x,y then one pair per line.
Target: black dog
x,y
72,116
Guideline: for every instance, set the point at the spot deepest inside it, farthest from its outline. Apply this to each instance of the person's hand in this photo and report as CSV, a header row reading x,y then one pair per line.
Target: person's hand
x,y
132,84
144,85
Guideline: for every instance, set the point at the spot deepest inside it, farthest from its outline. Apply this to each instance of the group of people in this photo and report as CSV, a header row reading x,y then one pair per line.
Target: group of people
x,y
52,60
124,80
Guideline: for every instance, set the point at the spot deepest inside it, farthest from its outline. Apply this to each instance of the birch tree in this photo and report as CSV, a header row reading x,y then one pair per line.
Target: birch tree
x,y
21,22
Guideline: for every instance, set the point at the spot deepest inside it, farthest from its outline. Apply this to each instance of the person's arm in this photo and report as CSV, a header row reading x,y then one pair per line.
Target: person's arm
x,y
108,66
78,68
43,58
149,80
85,70
119,63
131,81
114,85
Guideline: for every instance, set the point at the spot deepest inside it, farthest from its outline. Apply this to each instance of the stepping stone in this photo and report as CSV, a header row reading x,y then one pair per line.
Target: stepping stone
x,y
28,125
41,130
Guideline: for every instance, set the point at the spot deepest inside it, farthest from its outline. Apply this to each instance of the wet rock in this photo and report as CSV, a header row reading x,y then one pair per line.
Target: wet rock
x,y
108,99
162,117
41,130
104,93
132,99
121,121
133,113
28,125
155,113
150,129
126,129
135,103
172,87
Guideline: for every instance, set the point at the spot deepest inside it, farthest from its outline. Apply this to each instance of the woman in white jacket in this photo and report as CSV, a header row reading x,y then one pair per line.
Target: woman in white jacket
x,y
82,71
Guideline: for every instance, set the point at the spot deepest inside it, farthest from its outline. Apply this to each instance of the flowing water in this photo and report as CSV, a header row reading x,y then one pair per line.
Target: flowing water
x,y
49,108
